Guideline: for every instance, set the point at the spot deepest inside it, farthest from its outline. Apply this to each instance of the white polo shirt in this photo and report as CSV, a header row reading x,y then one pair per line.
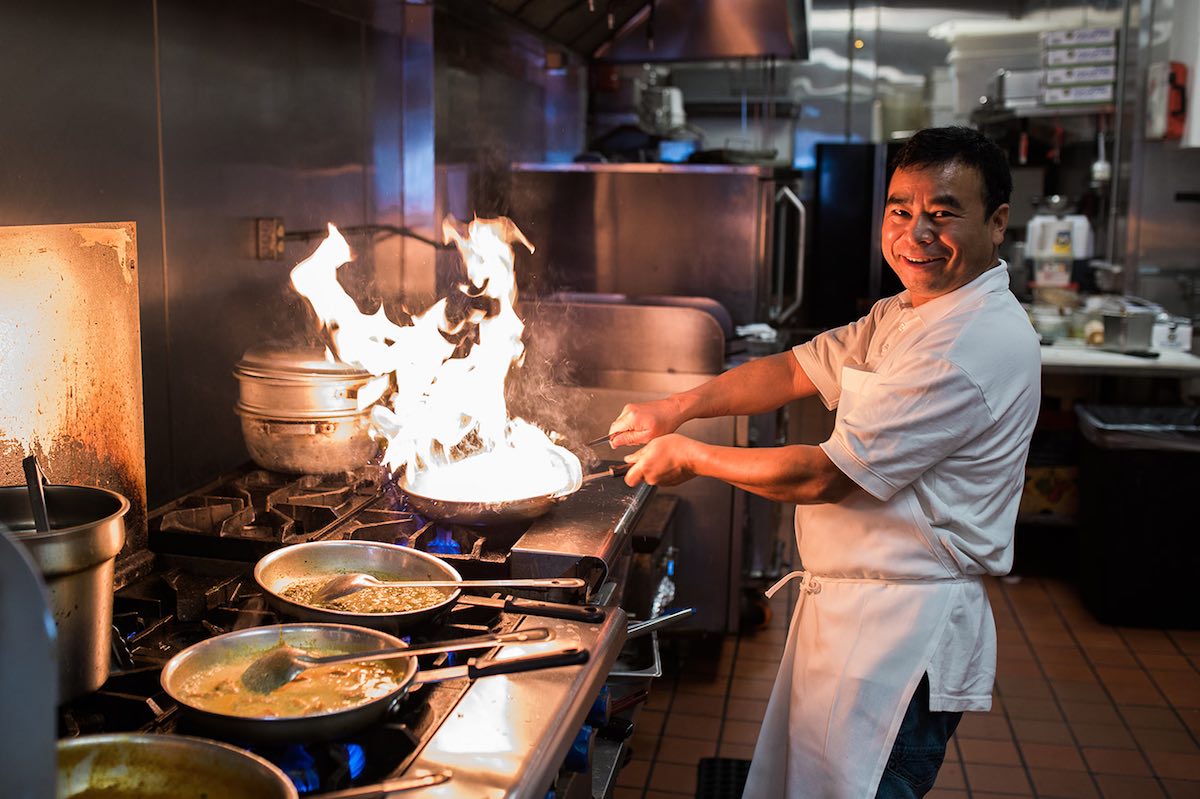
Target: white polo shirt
x,y
945,400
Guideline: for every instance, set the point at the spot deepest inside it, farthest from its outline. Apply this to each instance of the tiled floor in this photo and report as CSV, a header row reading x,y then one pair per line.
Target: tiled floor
x,y
1081,709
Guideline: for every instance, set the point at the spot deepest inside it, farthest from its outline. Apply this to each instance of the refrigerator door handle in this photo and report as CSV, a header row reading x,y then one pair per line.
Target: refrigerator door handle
x,y
778,313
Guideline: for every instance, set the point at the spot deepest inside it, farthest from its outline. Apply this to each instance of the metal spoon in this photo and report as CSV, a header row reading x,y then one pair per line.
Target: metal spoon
x,y
35,482
283,663
346,584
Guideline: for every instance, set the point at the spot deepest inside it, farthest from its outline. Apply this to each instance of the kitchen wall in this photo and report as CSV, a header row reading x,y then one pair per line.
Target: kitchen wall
x,y
503,96
192,120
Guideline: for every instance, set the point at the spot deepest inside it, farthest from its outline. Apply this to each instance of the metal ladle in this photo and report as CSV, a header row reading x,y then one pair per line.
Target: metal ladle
x,y
282,664
346,584
35,482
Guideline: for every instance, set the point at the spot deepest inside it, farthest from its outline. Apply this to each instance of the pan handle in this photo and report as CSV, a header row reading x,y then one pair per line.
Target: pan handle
x,y
589,614
573,656
612,471
650,625
488,667
393,786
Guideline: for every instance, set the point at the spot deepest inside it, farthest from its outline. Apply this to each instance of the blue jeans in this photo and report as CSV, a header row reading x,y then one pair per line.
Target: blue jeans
x,y
919,750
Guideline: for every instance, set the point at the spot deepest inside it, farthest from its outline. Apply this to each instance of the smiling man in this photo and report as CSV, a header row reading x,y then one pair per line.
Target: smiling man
x,y
908,504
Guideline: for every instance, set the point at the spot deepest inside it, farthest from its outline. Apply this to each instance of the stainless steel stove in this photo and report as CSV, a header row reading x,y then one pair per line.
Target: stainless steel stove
x,y
522,735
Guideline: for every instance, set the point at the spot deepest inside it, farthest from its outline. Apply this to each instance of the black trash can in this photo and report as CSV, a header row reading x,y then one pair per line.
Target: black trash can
x,y
1139,535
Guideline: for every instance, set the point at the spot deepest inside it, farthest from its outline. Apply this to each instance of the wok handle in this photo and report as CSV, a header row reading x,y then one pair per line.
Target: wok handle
x,y
573,656
590,614
613,471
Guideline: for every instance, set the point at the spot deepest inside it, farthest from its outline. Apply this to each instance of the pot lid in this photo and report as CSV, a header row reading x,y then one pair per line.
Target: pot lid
x,y
279,357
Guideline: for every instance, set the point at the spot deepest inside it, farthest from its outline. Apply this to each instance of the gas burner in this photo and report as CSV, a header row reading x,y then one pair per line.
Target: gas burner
x,y
249,515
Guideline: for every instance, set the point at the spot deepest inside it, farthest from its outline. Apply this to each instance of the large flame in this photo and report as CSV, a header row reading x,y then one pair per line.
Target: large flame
x,y
438,393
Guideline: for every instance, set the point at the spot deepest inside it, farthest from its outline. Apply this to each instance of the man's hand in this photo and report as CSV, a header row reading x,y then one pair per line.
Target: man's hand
x,y
641,422
666,461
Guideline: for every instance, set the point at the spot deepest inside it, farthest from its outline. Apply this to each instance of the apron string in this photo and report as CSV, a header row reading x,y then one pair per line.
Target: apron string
x,y
810,584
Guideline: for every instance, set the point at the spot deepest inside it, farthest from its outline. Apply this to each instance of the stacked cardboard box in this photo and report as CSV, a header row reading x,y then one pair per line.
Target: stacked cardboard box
x,y
1080,66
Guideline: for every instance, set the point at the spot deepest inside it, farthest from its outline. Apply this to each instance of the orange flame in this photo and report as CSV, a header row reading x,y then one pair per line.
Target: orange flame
x,y
442,412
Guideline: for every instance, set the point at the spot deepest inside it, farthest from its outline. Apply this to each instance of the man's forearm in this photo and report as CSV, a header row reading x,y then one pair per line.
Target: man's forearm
x,y
759,386
802,474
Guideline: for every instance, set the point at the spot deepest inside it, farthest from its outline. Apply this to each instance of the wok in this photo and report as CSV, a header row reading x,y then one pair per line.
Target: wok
x,y
489,514
246,645
132,766
276,571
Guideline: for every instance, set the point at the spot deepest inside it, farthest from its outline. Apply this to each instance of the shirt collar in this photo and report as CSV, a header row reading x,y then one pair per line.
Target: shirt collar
x,y
994,279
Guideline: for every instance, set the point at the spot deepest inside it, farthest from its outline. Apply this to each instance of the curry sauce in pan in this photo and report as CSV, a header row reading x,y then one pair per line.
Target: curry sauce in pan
x,y
374,599
320,689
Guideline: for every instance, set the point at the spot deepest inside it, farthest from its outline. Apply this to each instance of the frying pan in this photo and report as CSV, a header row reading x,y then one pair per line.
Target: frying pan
x,y
276,571
485,514
246,645
132,765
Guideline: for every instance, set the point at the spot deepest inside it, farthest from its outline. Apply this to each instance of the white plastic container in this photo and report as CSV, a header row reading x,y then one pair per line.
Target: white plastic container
x,y
1049,236
1171,334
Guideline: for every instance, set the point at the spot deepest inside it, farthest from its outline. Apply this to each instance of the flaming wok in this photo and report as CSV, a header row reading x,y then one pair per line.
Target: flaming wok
x,y
465,492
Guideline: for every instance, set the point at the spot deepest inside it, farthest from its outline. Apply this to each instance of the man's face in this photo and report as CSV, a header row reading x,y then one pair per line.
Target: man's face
x,y
936,236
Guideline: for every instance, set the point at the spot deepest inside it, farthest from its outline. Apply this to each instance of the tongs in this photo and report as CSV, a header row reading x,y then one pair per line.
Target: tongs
x,y
605,439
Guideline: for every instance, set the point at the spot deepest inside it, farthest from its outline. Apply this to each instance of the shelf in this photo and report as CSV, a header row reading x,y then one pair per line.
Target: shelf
x,y
985,115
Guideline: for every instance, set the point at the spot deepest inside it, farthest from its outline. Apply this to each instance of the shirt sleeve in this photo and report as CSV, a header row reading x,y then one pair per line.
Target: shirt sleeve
x,y
900,424
822,357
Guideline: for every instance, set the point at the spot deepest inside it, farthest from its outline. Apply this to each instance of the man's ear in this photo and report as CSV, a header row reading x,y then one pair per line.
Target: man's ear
x,y
999,224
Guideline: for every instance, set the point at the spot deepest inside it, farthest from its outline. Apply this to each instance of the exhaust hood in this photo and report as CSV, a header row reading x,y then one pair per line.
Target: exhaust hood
x,y
641,31
712,30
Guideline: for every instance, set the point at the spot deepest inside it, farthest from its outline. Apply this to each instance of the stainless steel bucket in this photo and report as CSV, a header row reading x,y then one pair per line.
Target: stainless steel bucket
x,y
76,560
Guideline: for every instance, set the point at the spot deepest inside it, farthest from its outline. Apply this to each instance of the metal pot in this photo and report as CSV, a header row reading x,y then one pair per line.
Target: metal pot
x,y
131,766
300,411
76,560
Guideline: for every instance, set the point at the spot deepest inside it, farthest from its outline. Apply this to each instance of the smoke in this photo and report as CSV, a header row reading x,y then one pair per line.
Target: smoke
x,y
539,389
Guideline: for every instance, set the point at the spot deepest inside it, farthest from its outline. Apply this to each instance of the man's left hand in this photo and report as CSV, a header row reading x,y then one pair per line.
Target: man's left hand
x,y
666,461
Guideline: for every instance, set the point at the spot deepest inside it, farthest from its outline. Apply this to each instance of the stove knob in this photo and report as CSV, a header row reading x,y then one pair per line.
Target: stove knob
x,y
601,710
579,756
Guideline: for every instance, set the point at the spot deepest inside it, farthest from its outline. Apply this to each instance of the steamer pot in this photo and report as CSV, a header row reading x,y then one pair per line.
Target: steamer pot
x,y
76,559
299,410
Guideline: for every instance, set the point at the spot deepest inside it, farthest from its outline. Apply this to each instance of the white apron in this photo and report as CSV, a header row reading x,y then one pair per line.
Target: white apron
x,y
876,599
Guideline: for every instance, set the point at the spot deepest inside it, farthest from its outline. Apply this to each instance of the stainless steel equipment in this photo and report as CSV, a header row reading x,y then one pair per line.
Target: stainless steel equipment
x,y
71,373
28,680
1129,324
523,725
725,532
76,559
299,410
734,234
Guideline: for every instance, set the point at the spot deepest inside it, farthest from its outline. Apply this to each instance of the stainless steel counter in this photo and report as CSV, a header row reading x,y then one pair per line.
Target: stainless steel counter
x,y
509,734
1067,358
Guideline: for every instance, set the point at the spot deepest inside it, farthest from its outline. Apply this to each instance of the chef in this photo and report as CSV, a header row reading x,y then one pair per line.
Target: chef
x,y
908,504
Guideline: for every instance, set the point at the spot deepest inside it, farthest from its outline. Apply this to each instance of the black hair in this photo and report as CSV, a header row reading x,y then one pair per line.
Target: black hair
x,y
938,146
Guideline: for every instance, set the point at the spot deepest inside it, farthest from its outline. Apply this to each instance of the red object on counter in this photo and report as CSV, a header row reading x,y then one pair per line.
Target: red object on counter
x,y
1176,100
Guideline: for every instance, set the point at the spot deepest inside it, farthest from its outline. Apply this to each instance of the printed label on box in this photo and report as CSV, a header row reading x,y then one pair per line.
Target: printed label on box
x,y
1079,55
1078,94
1077,76
1079,37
